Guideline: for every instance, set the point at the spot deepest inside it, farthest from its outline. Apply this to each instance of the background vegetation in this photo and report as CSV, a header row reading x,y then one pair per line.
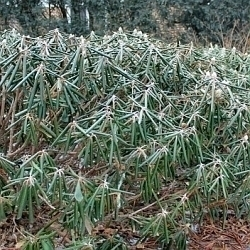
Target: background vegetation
x,y
224,22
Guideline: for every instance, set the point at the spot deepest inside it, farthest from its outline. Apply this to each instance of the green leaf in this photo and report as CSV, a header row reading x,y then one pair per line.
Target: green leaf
x,y
78,192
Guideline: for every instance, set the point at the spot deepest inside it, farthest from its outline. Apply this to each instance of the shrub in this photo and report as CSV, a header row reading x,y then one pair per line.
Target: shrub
x,y
121,129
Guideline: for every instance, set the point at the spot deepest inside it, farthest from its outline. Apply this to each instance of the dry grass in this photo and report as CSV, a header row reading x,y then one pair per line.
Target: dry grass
x,y
237,37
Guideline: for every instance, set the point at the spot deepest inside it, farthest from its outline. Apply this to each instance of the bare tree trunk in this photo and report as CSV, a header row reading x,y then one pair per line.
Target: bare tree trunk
x,y
80,16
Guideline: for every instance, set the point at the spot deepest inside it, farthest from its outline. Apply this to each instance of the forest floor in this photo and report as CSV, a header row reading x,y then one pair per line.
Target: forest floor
x,y
211,235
